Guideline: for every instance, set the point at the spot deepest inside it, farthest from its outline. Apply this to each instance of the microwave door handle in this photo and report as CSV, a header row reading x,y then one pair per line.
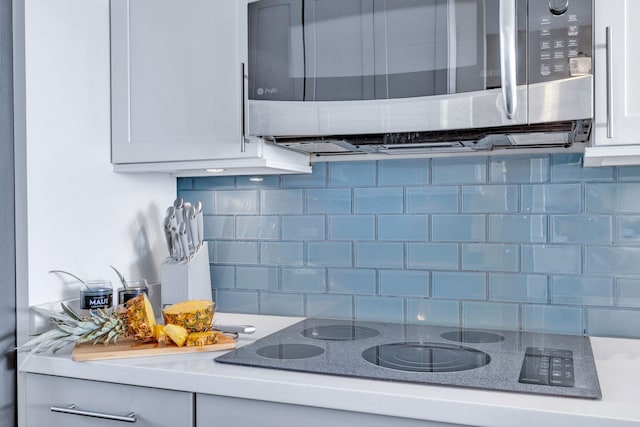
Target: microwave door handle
x,y
609,85
508,55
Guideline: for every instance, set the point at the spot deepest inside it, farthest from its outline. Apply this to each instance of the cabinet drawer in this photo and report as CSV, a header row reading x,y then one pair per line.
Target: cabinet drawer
x,y
221,411
50,399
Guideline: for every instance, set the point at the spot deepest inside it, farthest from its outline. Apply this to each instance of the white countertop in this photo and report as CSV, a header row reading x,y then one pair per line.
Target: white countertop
x,y
617,361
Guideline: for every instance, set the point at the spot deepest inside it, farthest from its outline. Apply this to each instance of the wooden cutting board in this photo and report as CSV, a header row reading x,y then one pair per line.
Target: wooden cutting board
x,y
130,348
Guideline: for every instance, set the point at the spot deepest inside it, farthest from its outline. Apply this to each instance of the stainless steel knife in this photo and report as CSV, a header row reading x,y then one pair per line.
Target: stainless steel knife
x,y
235,329
167,235
178,204
200,221
184,241
175,241
185,211
192,230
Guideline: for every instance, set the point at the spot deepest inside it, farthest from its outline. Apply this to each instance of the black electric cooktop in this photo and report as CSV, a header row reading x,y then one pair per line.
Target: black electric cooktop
x,y
550,364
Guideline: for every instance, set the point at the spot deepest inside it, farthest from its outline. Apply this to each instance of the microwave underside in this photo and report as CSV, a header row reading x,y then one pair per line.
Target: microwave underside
x,y
557,134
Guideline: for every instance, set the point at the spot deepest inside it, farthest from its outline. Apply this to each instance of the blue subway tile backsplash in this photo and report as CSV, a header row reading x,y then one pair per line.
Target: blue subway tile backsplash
x,y
551,198
590,229
352,281
329,305
516,169
490,198
329,200
404,172
560,319
493,315
380,309
281,201
303,227
243,202
532,243
404,283
490,257
518,228
257,277
531,288
433,199
255,227
379,254
378,200
431,311
568,167
552,259
330,254
352,227
613,198
459,228
459,285
628,229
456,171
628,292
280,304
403,227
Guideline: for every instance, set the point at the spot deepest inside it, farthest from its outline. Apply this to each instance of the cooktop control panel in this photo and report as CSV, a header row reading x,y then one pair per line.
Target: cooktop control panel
x,y
547,366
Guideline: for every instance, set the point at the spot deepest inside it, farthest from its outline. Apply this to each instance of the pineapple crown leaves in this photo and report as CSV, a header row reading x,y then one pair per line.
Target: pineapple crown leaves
x,y
99,327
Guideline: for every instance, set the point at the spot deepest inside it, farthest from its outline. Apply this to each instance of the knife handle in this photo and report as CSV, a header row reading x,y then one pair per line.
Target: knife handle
x,y
167,235
200,223
177,247
235,329
192,220
179,215
184,241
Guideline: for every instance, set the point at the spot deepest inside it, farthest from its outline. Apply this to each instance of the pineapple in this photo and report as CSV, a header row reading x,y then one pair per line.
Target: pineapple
x,y
178,334
198,339
187,322
160,334
193,315
140,318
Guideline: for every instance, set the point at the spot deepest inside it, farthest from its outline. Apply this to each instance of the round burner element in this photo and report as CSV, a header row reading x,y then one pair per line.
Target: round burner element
x,y
426,357
472,336
340,333
290,351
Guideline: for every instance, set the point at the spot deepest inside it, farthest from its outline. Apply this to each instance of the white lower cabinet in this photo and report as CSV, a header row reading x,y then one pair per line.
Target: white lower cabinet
x,y
68,402
220,411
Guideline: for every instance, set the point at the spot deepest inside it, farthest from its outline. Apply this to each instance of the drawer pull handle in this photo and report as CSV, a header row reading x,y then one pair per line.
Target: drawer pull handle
x,y
72,409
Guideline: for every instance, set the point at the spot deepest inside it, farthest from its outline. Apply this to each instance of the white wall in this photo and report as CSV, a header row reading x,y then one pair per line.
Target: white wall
x,y
80,216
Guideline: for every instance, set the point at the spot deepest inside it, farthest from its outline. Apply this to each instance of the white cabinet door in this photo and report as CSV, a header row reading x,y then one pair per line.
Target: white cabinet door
x,y
616,130
68,402
177,89
221,411
176,80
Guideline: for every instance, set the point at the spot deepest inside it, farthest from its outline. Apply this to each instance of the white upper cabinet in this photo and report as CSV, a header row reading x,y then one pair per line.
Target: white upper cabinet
x,y
178,91
616,131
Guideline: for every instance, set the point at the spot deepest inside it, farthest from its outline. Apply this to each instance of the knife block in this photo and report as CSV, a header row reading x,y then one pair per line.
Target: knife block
x,y
182,281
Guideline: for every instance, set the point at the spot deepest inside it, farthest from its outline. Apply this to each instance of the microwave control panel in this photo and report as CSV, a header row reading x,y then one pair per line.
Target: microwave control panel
x,y
560,39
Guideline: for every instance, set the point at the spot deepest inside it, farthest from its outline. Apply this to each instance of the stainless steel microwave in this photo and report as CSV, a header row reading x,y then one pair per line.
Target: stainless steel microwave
x,y
388,76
